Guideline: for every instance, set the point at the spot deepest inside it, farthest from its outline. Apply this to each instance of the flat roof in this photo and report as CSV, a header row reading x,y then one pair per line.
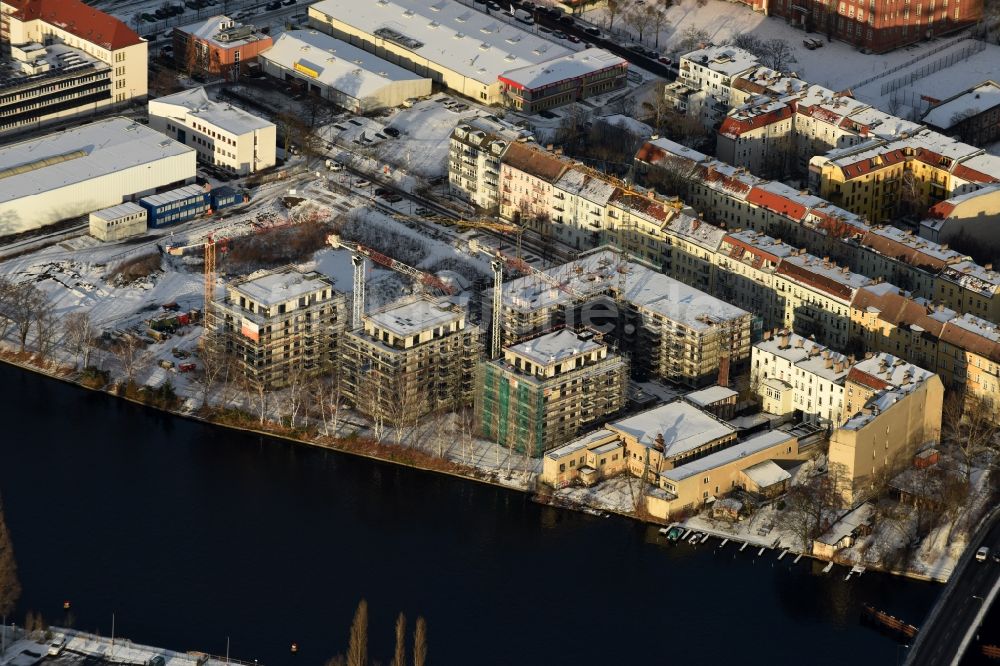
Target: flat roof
x,y
472,43
273,287
196,103
580,443
80,154
119,211
571,66
596,273
412,317
556,347
728,60
178,194
337,64
710,395
208,29
747,447
684,427
896,369
972,102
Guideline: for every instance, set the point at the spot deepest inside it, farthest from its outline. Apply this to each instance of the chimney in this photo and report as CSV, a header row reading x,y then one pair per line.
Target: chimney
x,y
697,223
882,365
724,369
988,267
799,343
868,355
784,341
767,335
828,364
838,367
658,443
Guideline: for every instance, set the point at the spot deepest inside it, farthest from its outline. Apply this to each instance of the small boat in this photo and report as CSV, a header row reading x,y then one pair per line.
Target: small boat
x,y
674,534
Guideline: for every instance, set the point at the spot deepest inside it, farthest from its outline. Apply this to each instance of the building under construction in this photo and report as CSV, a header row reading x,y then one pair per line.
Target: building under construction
x,y
545,391
281,321
671,330
412,358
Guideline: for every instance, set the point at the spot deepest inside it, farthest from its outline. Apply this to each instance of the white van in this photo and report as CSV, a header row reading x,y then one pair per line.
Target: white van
x,y
524,17
982,554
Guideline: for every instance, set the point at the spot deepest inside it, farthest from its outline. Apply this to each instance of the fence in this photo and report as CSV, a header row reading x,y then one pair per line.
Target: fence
x,y
909,63
939,64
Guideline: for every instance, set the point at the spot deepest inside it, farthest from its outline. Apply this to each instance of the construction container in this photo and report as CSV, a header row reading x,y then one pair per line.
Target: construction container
x,y
224,197
180,205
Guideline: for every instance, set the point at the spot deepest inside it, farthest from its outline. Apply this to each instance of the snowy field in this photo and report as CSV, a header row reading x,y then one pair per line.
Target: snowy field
x,y
837,65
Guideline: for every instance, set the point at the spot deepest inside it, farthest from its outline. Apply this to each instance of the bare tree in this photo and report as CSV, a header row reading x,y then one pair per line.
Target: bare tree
x,y
635,17
10,586
969,430
656,17
399,657
79,333
129,352
420,643
692,39
613,9
357,648
21,306
46,329
216,364
295,391
777,54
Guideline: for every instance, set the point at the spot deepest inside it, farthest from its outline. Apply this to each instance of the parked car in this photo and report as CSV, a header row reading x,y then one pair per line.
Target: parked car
x,y
361,182
56,646
811,43
982,554
421,211
573,39
393,198
492,6
545,31
391,131
381,191
566,19
150,18
666,61
592,31
288,3
559,34
271,6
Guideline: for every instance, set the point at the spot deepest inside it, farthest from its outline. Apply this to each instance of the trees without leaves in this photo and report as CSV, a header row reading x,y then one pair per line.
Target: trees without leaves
x,y
80,334
357,648
10,586
420,643
399,658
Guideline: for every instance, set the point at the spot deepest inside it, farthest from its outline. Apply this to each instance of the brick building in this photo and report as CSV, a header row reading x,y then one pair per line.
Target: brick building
x,y
218,45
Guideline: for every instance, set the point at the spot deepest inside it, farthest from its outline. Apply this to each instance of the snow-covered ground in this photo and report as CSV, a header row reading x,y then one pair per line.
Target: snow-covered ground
x,y
837,65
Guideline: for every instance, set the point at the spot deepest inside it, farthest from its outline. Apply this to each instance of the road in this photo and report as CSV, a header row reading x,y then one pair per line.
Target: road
x,y
942,638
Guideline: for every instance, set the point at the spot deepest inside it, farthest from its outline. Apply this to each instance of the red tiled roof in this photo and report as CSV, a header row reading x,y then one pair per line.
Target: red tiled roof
x,y
815,280
941,210
535,161
863,378
709,174
776,203
967,173
898,310
970,341
733,127
865,166
73,16
908,254
752,249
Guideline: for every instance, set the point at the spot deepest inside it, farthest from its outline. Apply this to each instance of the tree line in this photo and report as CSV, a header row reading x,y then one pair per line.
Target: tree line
x,y
357,645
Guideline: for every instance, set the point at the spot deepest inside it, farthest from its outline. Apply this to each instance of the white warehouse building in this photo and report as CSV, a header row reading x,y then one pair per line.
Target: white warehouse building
x,y
221,134
346,75
77,171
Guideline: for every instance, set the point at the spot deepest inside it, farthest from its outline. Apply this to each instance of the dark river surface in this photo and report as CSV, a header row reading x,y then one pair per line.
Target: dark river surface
x,y
190,534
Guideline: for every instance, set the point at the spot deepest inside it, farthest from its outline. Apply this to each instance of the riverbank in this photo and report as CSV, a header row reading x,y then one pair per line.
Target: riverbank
x,y
412,458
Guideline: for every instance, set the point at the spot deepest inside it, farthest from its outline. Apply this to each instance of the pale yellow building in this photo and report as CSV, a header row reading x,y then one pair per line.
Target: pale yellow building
x,y
896,410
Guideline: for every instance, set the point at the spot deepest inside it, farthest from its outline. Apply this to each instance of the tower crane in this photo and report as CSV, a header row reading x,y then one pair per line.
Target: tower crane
x,y
361,252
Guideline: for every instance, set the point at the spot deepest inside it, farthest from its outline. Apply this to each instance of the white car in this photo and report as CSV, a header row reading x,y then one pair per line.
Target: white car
x,y
982,554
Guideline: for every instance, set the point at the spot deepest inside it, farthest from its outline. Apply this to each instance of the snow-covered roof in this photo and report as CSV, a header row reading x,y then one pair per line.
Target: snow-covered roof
x,y
337,64
747,447
883,125
117,212
556,347
38,165
973,277
684,427
176,194
883,370
822,275
809,356
727,60
196,103
696,231
456,36
766,474
587,185
982,98
847,524
415,316
570,66
581,443
209,30
597,273
273,287
758,244
710,395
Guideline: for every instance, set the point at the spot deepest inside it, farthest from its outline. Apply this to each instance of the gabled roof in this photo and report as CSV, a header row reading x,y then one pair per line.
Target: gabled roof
x,y
898,309
535,161
73,16
974,335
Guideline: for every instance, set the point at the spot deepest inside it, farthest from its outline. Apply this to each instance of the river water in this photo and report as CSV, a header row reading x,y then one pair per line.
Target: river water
x,y
189,534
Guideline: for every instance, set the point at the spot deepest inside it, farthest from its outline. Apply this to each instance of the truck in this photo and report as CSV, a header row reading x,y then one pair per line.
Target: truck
x,y
524,17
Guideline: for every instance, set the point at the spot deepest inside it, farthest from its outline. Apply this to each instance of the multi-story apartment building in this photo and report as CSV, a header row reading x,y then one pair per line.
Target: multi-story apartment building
x,y
218,45
543,392
277,323
894,409
968,287
792,374
818,296
409,359
874,25
223,135
971,215
677,332
477,146
905,260
747,261
704,86
882,180
527,179
74,24
562,81
758,137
